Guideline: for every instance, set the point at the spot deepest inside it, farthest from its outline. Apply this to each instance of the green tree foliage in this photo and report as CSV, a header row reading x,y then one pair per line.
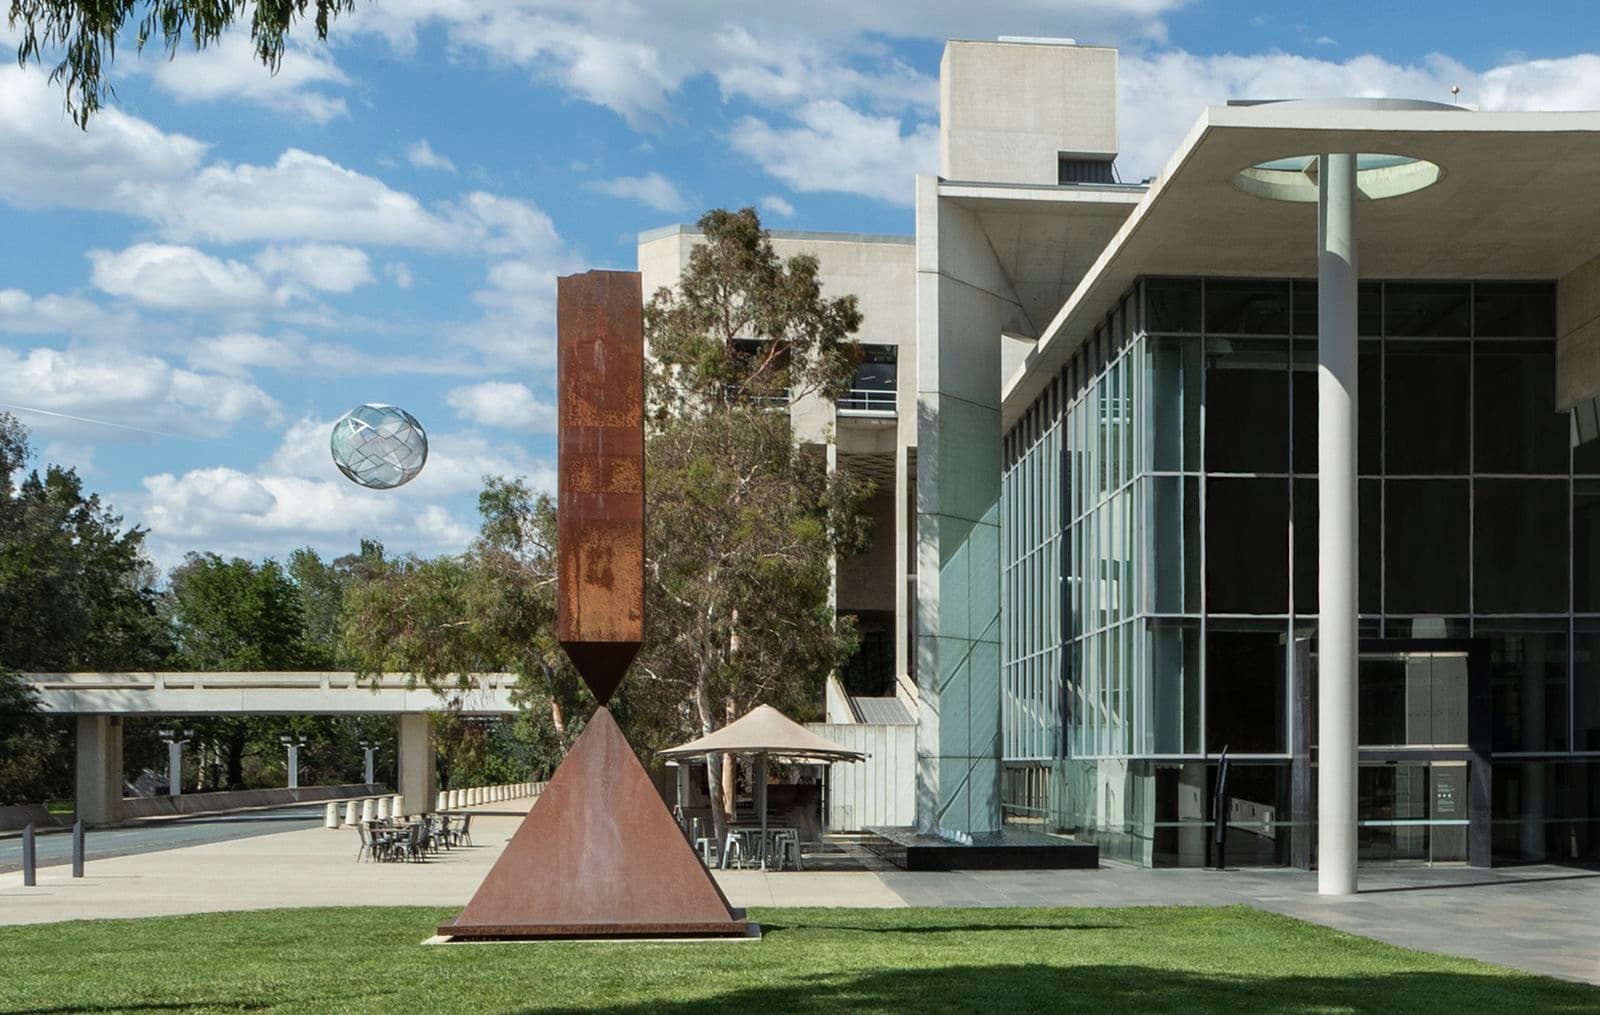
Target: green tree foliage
x,y
31,747
236,615
743,520
489,609
322,586
75,585
75,594
84,33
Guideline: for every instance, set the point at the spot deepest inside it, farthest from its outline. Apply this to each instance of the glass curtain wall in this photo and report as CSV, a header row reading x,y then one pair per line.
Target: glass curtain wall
x,y
1160,555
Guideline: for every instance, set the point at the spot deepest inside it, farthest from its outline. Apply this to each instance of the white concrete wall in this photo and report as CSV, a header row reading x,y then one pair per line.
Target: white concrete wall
x,y
880,791
1007,111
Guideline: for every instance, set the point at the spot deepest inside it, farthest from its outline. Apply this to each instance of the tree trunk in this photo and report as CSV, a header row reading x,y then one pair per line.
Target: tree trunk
x,y
729,771
702,704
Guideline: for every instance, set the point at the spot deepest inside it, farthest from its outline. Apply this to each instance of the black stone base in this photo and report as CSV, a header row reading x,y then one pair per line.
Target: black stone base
x,y
1009,849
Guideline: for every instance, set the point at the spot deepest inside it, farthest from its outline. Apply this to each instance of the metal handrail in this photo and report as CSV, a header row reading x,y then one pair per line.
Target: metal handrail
x,y
873,400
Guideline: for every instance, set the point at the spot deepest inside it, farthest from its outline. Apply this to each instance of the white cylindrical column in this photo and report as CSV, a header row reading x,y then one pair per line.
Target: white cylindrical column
x,y
352,812
441,802
382,808
369,811
1337,543
397,806
330,816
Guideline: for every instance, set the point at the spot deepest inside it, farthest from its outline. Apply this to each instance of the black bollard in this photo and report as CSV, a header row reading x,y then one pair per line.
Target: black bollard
x,y
29,861
77,849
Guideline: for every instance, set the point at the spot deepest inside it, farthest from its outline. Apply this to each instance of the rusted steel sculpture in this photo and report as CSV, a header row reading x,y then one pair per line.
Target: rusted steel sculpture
x,y
599,855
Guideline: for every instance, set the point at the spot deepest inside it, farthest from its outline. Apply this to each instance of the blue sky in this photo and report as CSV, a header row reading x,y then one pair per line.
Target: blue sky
x,y
232,259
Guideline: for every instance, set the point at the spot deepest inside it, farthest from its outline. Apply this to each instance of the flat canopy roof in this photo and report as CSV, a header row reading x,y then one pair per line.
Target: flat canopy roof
x,y
1518,199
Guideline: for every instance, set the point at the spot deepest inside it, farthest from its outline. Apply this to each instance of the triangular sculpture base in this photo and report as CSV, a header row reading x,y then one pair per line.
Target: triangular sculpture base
x,y
599,855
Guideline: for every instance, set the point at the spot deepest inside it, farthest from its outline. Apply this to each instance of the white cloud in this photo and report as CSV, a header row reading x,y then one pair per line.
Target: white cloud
x,y
504,404
322,266
46,160
126,390
300,197
399,273
772,204
835,147
634,58
652,190
1153,124
421,154
52,313
239,353
177,278
228,70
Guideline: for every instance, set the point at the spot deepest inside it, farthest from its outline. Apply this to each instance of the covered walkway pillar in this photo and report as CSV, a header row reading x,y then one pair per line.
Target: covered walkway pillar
x,y
99,770
418,779
1336,525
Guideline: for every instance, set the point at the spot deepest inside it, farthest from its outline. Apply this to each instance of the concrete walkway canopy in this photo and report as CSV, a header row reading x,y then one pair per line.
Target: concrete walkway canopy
x,y
765,730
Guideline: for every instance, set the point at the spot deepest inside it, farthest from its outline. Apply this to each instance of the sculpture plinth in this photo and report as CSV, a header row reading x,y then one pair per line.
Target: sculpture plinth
x,y
599,855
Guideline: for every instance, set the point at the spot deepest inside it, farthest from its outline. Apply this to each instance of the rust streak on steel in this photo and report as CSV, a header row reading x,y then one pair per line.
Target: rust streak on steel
x,y
600,372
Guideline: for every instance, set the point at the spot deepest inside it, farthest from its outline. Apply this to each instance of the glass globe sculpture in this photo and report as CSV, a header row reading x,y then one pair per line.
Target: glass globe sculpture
x,y
379,446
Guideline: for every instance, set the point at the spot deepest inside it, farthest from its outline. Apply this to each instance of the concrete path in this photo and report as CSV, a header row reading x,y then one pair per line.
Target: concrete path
x,y
55,847
1537,918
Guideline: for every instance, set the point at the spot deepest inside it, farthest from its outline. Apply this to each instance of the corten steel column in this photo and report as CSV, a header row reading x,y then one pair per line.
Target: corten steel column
x,y
599,855
1337,554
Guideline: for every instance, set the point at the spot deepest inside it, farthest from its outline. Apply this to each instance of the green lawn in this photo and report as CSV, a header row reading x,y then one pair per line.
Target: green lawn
x,y
1089,961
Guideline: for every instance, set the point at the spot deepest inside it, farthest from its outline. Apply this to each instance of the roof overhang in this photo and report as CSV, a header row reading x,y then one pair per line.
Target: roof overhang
x,y
1516,200
1044,238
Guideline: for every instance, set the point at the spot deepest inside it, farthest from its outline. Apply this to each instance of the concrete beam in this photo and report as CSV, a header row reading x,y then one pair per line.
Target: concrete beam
x,y
299,693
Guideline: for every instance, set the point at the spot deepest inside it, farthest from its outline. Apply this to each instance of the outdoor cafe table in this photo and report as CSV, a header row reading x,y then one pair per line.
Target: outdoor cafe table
x,y
763,839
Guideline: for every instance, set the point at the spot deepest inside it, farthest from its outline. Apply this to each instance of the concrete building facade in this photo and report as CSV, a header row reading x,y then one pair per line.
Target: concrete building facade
x,y
1275,455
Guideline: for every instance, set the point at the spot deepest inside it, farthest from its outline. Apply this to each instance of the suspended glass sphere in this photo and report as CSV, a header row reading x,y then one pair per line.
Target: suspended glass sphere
x,y
379,446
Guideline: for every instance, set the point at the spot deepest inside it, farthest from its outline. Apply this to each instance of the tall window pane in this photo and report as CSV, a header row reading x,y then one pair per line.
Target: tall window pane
x,y
1175,563
1517,426
1172,304
1427,310
1520,545
1245,688
1175,668
1247,307
1247,546
1174,404
1427,407
1425,546
1247,405
1528,682
1586,546
1586,686
1514,310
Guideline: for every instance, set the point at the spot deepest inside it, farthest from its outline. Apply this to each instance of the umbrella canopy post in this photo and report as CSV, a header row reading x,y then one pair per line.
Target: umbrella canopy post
x,y
761,802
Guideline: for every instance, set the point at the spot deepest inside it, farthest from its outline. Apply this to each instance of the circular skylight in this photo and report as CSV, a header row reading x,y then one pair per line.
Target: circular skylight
x,y
1378,176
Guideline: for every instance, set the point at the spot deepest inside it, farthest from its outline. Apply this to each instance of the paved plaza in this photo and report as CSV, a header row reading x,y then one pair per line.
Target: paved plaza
x,y
1540,919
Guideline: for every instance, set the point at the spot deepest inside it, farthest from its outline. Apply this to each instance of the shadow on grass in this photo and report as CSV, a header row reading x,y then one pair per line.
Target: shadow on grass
x,y
774,927
1131,988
